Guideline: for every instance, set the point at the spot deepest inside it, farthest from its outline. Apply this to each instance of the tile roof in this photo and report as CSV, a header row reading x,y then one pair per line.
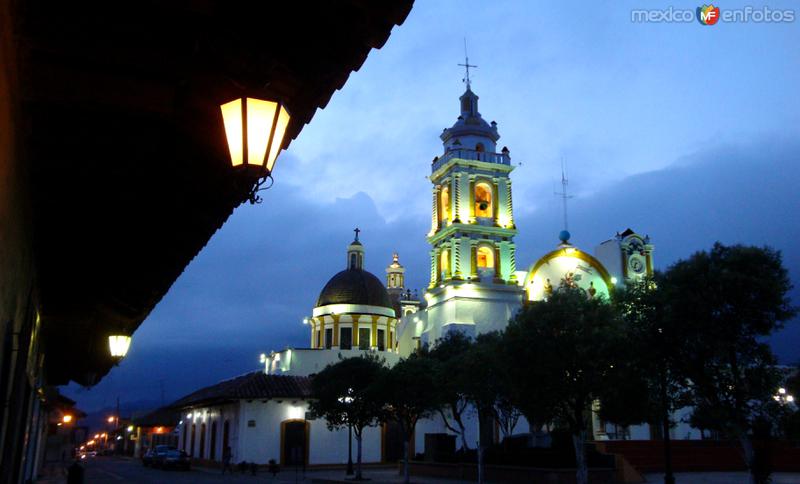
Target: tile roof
x,y
249,386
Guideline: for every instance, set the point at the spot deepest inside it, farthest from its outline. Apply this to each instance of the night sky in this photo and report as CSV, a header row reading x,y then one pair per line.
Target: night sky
x,y
687,133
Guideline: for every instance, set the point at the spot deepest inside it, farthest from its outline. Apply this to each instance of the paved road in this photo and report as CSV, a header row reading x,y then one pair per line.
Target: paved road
x,y
116,470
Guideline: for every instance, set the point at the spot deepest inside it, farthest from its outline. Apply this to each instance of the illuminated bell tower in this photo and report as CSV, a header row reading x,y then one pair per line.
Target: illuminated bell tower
x,y
473,280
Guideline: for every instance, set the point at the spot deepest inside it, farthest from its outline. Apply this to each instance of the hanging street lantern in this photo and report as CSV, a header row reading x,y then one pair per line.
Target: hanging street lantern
x,y
118,345
255,129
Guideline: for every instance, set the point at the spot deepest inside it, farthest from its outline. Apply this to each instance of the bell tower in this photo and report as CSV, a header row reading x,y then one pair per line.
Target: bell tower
x,y
472,225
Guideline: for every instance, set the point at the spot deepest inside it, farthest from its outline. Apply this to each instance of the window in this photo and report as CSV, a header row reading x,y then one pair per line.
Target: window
x,y
346,338
444,263
485,258
363,338
353,261
192,448
444,204
319,338
213,444
381,340
203,441
483,200
479,148
328,338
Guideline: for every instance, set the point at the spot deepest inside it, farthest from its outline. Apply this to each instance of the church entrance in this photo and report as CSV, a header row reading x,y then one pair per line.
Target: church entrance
x,y
392,441
294,443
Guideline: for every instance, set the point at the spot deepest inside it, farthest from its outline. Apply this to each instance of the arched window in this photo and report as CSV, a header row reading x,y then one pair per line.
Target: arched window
x,y
191,453
485,258
444,204
353,261
483,200
444,263
203,441
213,444
479,148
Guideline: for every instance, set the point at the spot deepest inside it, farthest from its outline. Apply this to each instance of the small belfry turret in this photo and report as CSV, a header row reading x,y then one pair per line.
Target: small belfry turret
x,y
355,253
395,277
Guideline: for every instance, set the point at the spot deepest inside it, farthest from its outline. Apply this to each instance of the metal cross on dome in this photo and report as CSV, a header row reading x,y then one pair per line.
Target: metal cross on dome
x,y
357,231
466,65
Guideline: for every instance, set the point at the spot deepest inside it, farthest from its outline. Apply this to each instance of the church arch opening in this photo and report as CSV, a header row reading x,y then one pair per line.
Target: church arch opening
x,y
483,200
444,205
444,264
485,260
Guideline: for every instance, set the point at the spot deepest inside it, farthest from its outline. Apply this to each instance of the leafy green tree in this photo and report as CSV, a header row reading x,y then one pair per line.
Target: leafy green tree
x,y
450,375
486,386
731,297
655,376
564,352
344,395
405,391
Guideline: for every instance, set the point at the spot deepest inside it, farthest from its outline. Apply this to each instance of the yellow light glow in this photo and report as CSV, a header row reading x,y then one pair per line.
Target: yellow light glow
x,y
232,118
96,436
159,430
613,280
66,418
118,345
130,428
110,420
260,116
104,435
277,138
782,391
91,442
265,125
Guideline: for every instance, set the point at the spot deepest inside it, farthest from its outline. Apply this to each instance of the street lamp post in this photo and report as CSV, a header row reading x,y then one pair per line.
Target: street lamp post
x,y
347,400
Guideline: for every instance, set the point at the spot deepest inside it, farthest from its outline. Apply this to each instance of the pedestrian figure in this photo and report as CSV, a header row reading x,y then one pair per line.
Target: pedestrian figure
x,y
75,473
226,460
273,467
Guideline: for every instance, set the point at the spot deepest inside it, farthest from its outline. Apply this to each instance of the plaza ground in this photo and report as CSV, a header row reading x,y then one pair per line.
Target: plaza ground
x,y
108,470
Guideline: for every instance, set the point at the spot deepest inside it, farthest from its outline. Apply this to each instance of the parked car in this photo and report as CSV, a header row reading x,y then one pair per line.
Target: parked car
x,y
175,459
160,454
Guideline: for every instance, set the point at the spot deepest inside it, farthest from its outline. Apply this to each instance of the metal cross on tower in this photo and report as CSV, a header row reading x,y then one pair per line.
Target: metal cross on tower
x,y
466,65
357,231
563,193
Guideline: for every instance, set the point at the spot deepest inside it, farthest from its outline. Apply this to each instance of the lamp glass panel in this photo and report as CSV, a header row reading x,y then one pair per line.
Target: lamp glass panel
x,y
118,345
260,115
232,118
277,138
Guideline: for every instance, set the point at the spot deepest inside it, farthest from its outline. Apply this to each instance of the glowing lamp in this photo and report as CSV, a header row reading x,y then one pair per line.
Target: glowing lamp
x,y
118,344
66,419
130,428
110,419
255,129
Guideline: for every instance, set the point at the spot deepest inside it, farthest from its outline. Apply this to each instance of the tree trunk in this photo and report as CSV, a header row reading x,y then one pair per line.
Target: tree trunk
x,y
669,477
480,462
406,474
581,470
358,456
749,456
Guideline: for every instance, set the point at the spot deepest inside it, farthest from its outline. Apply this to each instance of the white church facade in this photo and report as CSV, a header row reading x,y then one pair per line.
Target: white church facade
x,y
475,287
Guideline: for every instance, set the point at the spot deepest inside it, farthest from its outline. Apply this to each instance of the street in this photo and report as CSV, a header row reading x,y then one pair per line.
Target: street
x,y
101,470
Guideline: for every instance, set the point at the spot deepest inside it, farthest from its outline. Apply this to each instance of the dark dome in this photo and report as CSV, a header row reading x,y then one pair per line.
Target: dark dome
x,y
354,286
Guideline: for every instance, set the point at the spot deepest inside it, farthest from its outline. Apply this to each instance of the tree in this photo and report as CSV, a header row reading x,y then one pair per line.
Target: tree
x,y
564,351
731,297
344,395
484,387
449,376
405,391
656,365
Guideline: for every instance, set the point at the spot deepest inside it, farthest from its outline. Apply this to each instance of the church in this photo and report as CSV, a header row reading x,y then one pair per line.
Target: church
x,y
475,287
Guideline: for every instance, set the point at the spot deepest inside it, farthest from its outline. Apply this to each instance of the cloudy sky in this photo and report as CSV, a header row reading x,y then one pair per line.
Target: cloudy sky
x,y
685,132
